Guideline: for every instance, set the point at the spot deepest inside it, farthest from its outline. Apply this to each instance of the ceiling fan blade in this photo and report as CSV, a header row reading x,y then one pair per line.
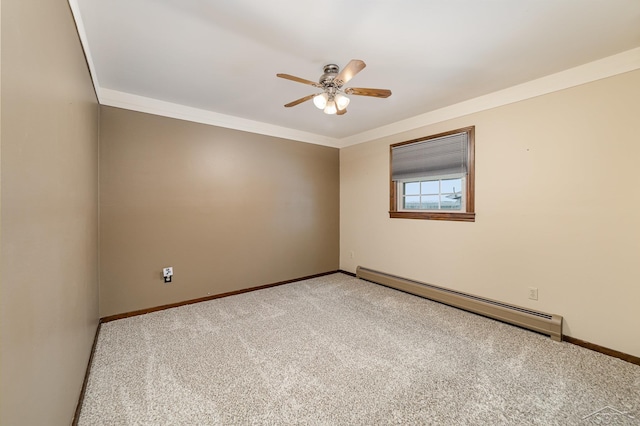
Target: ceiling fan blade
x,y
298,79
301,100
341,111
353,67
361,91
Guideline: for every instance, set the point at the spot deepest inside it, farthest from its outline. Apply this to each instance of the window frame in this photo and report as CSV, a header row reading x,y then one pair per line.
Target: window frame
x,y
468,215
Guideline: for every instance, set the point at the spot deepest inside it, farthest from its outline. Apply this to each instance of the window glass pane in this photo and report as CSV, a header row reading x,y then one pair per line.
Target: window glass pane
x,y
429,187
412,188
411,202
448,186
451,202
430,202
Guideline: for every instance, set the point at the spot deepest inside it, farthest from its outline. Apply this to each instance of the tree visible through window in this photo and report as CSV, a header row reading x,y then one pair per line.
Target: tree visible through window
x,y
433,177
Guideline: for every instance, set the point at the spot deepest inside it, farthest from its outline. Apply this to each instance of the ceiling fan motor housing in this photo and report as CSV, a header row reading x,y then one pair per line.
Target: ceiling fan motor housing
x,y
330,72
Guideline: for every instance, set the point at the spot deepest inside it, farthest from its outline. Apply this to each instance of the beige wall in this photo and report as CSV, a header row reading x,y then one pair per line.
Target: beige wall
x,y
227,209
557,206
49,288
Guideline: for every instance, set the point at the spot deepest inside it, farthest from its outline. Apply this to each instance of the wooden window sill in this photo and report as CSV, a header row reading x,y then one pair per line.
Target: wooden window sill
x,y
457,217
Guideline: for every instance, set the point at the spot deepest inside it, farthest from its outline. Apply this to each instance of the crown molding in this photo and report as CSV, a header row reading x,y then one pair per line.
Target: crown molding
x,y
587,73
168,109
82,34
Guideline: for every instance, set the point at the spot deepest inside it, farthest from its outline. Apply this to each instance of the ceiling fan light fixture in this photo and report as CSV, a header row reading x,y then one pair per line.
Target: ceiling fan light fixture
x,y
320,101
342,101
331,107
332,100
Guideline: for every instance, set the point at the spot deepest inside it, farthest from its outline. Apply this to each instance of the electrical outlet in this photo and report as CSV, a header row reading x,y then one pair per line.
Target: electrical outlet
x,y
167,273
533,293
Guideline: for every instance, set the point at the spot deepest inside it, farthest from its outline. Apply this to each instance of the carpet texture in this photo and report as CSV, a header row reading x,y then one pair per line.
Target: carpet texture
x,y
336,350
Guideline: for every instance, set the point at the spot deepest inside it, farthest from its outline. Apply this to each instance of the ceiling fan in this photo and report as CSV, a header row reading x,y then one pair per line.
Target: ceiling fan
x,y
332,99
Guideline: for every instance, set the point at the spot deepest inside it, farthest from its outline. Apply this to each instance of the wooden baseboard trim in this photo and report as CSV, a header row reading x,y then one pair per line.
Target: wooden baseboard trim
x,y
346,273
76,415
611,352
207,298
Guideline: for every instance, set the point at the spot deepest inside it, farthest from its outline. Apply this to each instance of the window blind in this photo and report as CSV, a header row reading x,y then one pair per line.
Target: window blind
x,y
446,155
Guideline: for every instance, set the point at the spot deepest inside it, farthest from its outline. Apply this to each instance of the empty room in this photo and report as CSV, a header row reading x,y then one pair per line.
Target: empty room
x,y
339,213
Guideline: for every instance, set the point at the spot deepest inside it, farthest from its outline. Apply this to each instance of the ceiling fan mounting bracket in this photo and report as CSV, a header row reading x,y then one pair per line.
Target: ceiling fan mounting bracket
x,y
331,69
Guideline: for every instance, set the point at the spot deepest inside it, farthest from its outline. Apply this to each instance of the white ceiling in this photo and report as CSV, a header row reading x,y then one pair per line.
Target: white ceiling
x,y
216,61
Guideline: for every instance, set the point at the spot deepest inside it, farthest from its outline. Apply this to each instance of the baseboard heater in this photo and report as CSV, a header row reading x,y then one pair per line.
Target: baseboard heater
x,y
537,321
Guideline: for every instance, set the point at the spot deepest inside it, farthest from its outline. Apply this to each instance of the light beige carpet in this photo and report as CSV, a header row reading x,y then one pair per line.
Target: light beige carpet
x,y
337,350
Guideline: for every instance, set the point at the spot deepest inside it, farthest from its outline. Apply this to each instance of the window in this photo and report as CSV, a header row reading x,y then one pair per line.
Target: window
x,y
433,194
433,177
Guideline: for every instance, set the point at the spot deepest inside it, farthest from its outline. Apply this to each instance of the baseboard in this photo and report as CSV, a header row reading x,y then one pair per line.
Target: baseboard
x,y
76,415
611,352
207,298
346,273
